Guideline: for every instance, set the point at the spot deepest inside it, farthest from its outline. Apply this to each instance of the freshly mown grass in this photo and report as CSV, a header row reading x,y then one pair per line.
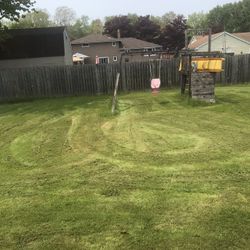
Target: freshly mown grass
x,y
163,173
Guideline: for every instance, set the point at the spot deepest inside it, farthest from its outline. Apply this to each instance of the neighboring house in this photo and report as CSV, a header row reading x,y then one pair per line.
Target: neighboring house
x,y
233,43
139,50
103,49
35,47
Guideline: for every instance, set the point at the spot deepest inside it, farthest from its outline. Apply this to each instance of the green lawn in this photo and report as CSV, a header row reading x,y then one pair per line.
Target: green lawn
x,y
163,173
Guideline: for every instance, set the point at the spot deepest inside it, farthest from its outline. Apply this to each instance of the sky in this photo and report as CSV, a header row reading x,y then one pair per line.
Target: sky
x,y
102,8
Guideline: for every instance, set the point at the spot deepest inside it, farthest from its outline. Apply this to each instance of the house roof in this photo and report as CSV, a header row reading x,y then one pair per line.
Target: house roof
x,y
198,41
133,43
94,38
127,43
32,43
244,36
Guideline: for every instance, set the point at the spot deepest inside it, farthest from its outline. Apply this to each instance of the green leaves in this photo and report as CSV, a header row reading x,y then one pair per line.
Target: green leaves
x,y
12,9
35,19
232,17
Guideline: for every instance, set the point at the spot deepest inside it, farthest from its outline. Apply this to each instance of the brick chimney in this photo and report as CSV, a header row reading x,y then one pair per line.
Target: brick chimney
x,y
118,34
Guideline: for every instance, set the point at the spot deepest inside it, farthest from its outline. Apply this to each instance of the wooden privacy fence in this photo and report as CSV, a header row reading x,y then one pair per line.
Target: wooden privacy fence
x,y
55,81
83,79
237,70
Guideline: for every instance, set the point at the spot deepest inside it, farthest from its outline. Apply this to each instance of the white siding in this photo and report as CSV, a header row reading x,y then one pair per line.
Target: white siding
x,y
228,43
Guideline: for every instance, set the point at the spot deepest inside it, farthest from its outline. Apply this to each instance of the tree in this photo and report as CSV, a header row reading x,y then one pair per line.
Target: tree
x,y
133,18
36,19
13,9
143,27
64,16
147,30
232,17
173,35
197,20
80,28
167,18
243,19
156,19
96,26
239,20
164,20
217,18
123,23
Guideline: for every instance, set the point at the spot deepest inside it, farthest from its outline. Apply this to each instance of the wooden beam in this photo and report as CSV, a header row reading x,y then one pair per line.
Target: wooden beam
x,y
115,93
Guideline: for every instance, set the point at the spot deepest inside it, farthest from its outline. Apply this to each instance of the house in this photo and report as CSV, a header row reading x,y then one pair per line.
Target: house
x,y
103,49
35,47
139,50
232,43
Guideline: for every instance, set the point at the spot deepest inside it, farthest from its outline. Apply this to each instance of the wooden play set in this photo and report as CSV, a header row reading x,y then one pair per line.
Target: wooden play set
x,y
198,71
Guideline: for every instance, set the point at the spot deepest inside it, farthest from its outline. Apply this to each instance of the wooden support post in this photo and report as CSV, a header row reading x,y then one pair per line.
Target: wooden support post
x,y
186,39
182,83
115,93
190,75
209,39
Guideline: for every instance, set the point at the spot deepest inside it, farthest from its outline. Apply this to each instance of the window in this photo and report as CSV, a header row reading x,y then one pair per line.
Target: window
x,y
126,60
115,58
114,44
85,45
103,60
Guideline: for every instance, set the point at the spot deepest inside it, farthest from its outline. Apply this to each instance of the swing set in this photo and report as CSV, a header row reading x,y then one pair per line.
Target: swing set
x,y
155,80
154,70
198,62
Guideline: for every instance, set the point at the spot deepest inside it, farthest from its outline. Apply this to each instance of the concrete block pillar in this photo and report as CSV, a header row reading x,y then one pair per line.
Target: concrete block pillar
x,y
202,86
